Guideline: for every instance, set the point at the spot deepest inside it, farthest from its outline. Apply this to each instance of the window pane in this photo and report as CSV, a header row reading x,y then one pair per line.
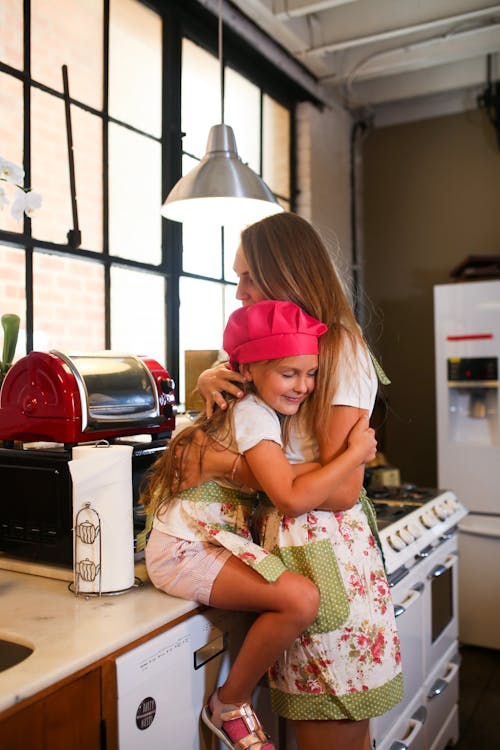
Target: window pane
x,y
201,320
134,196
276,147
138,313
68,304
232,239
231,303
201,249
11,140
200,97
201,244
50,171
87,149
12,291
135,53
68,32
50,167
11,43
242,113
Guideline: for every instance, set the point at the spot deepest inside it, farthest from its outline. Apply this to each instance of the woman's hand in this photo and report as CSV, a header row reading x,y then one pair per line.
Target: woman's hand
x,y
213,381
362,439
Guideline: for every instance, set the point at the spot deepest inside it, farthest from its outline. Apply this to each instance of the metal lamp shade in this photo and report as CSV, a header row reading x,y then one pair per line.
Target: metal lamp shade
x,y
221,189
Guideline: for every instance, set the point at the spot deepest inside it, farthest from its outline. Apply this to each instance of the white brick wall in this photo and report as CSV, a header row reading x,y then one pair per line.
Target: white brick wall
x,y
323,176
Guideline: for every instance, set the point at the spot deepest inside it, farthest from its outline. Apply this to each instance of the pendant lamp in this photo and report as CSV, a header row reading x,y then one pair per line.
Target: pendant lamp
x,y
221,189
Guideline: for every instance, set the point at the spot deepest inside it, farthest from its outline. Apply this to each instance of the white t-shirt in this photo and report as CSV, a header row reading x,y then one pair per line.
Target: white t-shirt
x,y
253,421
357,387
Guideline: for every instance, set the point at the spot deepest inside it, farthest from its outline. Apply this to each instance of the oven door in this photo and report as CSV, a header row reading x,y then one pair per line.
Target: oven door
x,y
441,626
409,732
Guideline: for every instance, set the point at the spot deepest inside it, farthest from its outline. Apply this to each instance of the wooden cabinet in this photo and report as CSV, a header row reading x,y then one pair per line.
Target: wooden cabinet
x,y
70,716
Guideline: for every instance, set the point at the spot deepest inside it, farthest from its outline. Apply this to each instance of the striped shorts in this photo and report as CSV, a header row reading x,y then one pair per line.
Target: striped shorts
x,y
183,568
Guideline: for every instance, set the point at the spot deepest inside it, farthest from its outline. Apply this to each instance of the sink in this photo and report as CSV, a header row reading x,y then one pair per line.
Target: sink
x,y
12,653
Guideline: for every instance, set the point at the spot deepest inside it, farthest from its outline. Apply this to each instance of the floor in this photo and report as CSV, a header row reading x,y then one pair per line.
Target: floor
x,y
479,705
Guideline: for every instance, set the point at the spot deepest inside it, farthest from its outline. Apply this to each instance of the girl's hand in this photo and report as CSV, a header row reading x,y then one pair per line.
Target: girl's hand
x,y
362,439
213,381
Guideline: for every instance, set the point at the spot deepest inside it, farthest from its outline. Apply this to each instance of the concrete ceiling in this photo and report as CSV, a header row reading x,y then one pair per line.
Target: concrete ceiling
x,y
380,52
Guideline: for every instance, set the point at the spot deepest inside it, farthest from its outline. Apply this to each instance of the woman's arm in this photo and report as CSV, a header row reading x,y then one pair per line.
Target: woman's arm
x,y
344,494
215,380
294,495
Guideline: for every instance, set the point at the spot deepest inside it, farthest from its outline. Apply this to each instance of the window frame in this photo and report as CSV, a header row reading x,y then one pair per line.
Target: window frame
x,y
180,19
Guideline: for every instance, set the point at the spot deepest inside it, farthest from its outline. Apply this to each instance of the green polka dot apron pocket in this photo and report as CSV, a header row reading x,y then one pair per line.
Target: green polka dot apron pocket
x,y
317,561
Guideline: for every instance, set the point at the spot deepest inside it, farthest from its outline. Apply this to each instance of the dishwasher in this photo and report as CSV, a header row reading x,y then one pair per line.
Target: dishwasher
x,y
163,684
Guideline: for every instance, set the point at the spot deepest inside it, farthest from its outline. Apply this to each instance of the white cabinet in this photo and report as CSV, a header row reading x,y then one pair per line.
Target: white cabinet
x,y
163,684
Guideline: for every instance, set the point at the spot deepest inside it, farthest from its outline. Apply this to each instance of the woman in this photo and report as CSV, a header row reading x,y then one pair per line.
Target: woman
x,y
346,667
274,344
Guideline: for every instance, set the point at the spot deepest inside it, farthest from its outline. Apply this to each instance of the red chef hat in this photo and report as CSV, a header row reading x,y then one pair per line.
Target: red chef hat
x,y
270,330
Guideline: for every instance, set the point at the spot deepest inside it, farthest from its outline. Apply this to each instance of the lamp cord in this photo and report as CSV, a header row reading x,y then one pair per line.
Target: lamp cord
x,y
221,65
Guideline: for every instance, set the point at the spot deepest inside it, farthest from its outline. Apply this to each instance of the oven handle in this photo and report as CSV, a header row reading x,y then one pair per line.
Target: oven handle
x,y
440,569
442,683
415,725
412,596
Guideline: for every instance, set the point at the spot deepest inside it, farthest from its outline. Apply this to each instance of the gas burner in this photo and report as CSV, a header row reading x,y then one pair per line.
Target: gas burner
x,y
411,519
390,511
404,493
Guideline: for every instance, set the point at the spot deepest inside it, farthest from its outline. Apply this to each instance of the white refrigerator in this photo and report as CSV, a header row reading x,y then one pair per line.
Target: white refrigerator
x,y
467,350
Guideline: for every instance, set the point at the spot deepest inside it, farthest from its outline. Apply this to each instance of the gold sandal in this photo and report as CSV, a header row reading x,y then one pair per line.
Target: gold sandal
x,y
241,719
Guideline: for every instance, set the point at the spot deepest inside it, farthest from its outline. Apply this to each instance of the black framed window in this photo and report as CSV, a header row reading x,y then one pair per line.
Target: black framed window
x,y
144,90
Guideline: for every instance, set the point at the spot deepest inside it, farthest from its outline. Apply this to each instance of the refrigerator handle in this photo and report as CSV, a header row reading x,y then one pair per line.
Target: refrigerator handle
x,y
493,534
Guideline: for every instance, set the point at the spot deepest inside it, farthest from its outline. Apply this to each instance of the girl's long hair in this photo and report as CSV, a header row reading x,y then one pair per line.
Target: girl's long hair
x,y
288,260
163,479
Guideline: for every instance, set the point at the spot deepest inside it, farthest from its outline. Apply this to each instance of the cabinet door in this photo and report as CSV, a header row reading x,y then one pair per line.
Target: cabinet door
x,y
68,718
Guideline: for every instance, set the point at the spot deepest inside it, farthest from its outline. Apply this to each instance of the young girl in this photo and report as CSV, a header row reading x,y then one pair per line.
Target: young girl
x,y
200,547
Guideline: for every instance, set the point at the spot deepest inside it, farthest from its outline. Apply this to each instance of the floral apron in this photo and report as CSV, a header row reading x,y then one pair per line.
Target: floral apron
x,y
347,664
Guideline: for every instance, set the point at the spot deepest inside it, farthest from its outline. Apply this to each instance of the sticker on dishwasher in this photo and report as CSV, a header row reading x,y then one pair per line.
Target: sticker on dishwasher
x,y
145,713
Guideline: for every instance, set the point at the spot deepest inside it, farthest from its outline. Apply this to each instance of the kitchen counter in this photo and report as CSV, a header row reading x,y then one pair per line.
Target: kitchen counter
x,y
68,632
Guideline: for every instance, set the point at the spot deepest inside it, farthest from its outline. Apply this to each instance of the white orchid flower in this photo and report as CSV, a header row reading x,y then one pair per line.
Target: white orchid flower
x,y
11,172
27,202
3,198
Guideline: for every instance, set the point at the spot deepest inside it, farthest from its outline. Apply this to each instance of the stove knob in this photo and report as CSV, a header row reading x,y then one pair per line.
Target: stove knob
x,y
396,542
414,530
441,512
428,520
406,535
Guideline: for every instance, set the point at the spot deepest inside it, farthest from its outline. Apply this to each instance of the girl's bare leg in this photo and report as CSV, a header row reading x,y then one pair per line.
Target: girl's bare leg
x,y
338,735
288,606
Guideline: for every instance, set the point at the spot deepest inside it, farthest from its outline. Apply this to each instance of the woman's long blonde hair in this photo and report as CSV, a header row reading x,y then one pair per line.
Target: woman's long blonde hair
x,y
288,260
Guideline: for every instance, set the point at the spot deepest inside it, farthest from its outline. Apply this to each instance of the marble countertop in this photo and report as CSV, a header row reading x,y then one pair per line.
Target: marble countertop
x,y
68,632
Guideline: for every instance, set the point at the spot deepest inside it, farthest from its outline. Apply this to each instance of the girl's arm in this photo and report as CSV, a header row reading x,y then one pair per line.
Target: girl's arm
x,y
204,460
215,380
294,495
